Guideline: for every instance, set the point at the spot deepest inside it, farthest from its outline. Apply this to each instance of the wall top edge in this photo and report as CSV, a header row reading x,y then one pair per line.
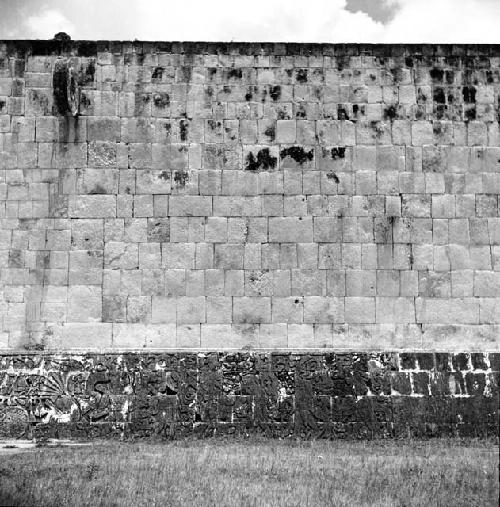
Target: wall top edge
x,y
318,351
88,48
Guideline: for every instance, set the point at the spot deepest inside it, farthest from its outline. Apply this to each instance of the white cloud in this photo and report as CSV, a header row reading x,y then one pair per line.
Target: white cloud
x,y
46,24
258,20
472,21
460,21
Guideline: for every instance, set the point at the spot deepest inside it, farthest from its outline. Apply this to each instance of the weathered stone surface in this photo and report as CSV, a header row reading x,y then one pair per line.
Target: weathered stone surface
x,y
168,395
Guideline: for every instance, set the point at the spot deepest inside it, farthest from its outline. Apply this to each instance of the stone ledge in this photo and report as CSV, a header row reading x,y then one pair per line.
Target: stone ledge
x,y
91,48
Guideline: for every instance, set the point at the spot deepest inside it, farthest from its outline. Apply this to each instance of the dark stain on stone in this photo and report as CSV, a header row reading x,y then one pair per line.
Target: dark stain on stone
x,y
16,259
338,152
332,176
342,62
271,132
157,73
301,76
397,75
263,161
214,124
164,175
449,77
390,113
283,114
439,95
478,362
275,92
470,114
98,190
248,95
301,111
186,74
161,99
18,70
85,101
180,178
183,126
17,87
158,230
64,87
409,62
421,96
87,74
297,153
342,113
469,94
437,75
235,74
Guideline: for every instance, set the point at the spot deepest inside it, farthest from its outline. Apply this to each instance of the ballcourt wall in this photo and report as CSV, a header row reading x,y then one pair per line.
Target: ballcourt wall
x,y
290,238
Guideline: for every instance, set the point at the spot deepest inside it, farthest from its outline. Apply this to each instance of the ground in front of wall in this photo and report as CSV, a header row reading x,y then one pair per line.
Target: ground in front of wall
x,y
255,472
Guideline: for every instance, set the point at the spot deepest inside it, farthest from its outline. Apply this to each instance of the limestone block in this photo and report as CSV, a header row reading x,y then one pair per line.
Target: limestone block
x,y
87,336
287,310
323,310
191,310
190,205
361,282
487,284
308,282
114,308
286,131
327,230
163,310
360,310
188,336
391,310
121,255
216,336
290,229
153,181
252,310
447,311
301,336
92,206
138,309
273,336
229,256
219,310
84,303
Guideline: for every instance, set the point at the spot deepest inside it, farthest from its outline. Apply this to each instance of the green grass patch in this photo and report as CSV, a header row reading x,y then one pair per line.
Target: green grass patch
x,y
254,473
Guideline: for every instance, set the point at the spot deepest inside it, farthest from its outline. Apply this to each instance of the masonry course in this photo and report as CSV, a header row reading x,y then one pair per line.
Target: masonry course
x,y
247,197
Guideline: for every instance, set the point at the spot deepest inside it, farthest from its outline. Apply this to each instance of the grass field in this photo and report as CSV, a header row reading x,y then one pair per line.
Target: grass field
x,y
253,473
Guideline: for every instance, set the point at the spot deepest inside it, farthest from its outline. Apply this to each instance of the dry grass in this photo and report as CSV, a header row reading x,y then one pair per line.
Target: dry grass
x,y
268,472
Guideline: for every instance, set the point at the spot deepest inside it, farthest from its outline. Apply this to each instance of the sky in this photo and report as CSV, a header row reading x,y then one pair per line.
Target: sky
x,y
372,21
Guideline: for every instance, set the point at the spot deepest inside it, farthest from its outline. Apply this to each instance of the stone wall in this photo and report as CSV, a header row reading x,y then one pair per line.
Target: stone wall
x,y
168,197
178,395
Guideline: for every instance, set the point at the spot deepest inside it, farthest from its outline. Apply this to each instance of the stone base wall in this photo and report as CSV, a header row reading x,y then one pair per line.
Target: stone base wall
x,y
322,395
